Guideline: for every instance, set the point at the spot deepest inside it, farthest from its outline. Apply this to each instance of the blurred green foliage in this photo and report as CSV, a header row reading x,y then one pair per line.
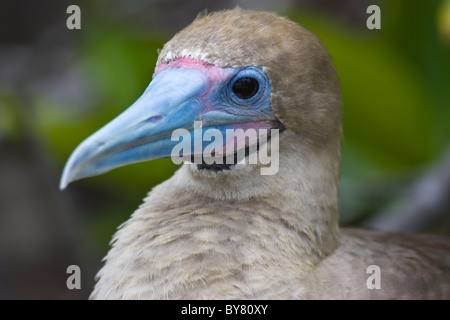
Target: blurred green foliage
x,y
395,85
9,116
396,108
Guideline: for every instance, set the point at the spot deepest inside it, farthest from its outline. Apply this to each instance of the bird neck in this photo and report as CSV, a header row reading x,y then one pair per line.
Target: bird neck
x,y
290,217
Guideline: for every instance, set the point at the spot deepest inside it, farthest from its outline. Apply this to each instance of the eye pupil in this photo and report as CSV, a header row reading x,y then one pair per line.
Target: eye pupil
x,y
245,87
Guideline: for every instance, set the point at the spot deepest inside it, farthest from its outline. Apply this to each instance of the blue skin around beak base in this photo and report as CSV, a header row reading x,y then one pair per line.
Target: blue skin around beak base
x,y
175,98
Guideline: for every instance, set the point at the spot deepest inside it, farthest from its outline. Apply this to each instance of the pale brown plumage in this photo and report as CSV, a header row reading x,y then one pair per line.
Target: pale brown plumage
x,y
240,235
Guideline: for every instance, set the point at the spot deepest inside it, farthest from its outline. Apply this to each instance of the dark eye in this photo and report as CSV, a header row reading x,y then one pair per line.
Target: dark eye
x,y
245,87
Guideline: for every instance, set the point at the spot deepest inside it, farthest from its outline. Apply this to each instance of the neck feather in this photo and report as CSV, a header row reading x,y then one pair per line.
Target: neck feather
x,y
237,228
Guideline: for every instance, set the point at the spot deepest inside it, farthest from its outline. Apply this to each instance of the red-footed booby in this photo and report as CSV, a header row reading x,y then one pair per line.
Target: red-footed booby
x,y
221,231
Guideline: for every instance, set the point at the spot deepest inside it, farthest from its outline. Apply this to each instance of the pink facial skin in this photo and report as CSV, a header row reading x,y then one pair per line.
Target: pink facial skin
x,y
184,62
215,74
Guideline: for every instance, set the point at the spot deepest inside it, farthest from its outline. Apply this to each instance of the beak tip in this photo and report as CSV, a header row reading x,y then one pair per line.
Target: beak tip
x,y
68,175
65,180
62,185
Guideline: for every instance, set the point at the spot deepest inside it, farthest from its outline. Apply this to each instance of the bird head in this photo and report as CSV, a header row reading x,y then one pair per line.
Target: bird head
x,y
233,69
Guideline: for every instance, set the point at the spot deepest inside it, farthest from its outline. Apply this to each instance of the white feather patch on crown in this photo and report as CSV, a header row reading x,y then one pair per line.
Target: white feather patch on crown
x,y
196,54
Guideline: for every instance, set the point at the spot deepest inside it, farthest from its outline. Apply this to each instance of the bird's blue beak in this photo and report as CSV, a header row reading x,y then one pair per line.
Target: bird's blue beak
x,y
174,99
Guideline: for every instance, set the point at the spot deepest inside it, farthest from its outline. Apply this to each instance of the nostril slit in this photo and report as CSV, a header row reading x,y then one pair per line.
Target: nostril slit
x,y
153,119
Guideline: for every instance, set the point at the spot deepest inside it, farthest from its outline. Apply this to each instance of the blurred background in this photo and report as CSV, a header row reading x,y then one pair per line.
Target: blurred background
x,y
57,86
